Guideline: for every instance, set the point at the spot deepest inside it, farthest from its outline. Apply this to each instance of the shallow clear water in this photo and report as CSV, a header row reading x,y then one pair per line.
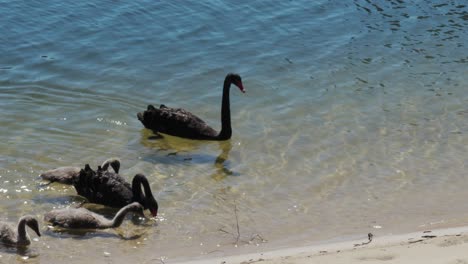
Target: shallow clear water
x,y
355,120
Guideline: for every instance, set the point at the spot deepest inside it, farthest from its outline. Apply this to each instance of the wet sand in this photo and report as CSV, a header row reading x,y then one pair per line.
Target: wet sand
x,y
443,246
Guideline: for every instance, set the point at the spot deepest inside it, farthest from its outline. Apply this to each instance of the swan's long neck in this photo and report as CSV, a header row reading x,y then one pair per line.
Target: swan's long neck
x,y
138,196
226,130
118,218
22,235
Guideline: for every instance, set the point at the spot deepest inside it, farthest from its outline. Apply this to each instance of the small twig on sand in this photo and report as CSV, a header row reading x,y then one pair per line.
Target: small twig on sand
x,y
237,223
237,226
237,234
224,231
257,236
370,236
416,241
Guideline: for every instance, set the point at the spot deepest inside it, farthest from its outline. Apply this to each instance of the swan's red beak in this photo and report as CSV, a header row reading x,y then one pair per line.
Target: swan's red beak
x,y
241,87
154,212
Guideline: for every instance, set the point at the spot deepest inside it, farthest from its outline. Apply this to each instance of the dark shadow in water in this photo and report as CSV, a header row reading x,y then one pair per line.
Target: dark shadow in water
x,y
156,136
171,150
81,234
168,143
64,199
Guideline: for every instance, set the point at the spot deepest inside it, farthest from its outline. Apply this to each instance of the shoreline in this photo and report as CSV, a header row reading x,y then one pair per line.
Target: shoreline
x,y
448,245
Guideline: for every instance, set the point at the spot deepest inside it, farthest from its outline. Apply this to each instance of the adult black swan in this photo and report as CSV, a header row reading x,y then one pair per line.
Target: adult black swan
x,y
83,218
65,175
110,189
181,123
18,237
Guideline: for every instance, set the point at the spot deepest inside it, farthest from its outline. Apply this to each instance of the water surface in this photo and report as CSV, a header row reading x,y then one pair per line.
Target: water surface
x,y
355,120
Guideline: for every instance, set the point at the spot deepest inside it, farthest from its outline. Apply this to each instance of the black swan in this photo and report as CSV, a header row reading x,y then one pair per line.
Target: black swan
x,y
83,218
108,188
65,175
20,237
181,123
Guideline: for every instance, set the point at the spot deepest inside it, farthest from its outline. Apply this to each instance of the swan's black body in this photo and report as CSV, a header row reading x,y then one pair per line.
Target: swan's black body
x,y
181,123
108,188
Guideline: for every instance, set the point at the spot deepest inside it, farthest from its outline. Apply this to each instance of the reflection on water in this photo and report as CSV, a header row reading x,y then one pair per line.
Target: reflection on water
x,y
58,200
64,233
23,253
167,144
169,149
222,162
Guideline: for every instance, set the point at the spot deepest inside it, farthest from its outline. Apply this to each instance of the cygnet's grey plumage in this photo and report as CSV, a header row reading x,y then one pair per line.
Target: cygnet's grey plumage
x,y
65,175
18,237
83,218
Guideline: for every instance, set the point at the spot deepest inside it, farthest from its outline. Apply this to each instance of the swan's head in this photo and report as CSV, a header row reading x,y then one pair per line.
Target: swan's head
x,y
137,208
236,80
113,162
147,200
146,116
152,206
33,224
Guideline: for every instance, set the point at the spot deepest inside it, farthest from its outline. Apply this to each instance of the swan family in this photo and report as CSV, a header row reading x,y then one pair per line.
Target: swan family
x,y
107,187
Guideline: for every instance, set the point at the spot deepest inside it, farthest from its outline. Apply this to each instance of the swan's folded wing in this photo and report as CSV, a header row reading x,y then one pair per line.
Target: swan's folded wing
x,y
72,218
63,175
7,234
103,187
177,122
114,190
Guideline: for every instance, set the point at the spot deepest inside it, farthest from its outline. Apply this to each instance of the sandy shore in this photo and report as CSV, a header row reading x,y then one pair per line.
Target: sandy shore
x,y
444,246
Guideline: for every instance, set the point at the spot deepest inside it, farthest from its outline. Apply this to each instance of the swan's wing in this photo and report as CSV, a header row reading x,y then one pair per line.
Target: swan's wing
x,y
73,218
7,234
175,121
103,187
113,190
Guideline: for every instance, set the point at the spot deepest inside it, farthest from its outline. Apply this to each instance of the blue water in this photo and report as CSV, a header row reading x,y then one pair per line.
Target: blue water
x,y
355,119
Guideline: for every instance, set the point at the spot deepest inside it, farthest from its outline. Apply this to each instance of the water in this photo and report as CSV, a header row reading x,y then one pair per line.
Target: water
x,y
354,120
